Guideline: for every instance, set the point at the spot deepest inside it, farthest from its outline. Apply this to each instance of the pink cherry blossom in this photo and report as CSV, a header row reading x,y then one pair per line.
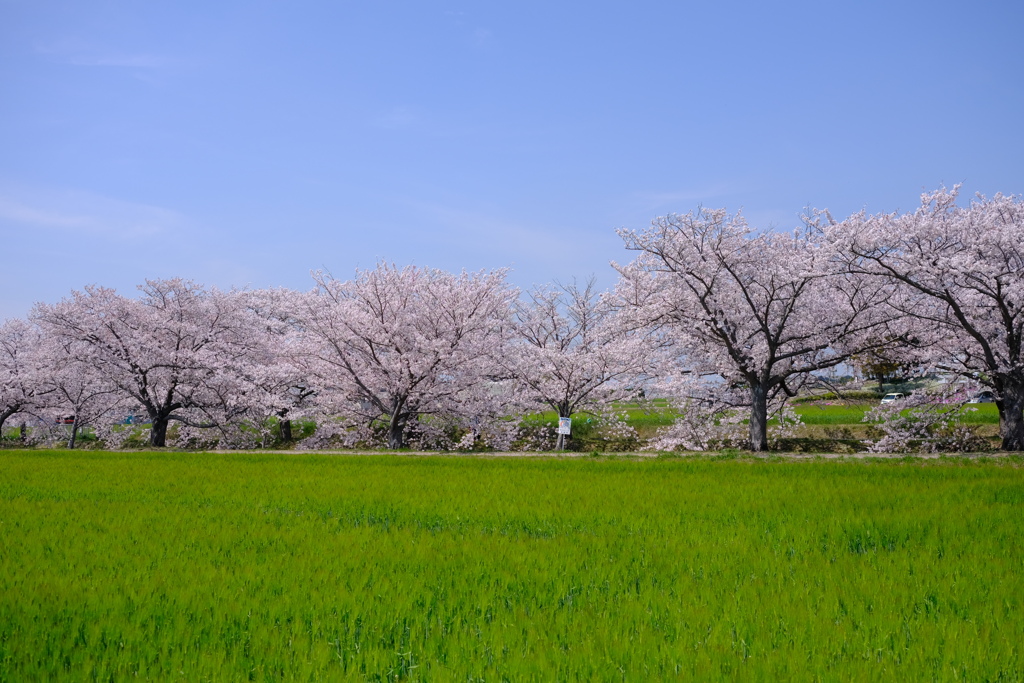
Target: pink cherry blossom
x,y
759,310
958,279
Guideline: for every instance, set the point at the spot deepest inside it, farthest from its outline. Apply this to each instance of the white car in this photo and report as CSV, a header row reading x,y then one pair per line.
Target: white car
x,y
892,398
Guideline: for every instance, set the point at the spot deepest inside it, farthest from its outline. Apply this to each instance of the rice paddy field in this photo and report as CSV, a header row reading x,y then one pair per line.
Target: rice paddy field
x,y
285,567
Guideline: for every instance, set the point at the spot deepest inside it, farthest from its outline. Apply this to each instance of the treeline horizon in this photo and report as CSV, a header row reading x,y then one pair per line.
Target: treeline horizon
x,y
726,321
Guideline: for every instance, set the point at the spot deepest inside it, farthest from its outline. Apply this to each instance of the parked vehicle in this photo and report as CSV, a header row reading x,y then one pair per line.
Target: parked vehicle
x,y
892,398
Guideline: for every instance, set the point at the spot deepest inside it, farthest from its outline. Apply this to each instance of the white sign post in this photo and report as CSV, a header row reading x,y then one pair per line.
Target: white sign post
x,y
564,429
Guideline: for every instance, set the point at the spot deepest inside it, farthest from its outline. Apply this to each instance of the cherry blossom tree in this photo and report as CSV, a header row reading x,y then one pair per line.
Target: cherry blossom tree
x,y
276,387
75,389
761,310
959,278
925,421
400,343
21,364
180,351
574,355
883,363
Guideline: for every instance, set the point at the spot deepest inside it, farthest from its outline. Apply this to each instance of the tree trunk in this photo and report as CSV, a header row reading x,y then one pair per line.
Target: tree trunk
x,y
286,430
6,413
23,432
396,431
1011,416
158,433
74,433
758,418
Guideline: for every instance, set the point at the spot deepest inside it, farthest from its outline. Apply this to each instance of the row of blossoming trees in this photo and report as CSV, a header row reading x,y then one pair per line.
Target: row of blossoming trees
x,y
726,321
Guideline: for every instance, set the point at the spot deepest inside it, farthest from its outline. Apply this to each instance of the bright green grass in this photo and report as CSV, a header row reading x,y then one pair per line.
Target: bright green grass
x,y
272,567
654,415
848,414
819,413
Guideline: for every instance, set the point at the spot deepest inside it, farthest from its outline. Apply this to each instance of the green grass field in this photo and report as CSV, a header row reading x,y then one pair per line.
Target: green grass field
x,y
163,566
853,413
812,413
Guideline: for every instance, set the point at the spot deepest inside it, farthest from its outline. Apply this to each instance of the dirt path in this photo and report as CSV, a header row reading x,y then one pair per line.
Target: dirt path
x,y
642,455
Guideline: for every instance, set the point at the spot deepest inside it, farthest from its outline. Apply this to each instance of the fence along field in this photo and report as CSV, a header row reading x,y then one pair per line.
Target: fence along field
x,y
308,567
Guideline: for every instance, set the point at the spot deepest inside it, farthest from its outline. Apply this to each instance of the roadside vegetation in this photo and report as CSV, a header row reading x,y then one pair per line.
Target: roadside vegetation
x,y
828,424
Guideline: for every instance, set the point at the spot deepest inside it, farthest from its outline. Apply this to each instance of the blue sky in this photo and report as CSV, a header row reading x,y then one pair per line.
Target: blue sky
x,y
246,143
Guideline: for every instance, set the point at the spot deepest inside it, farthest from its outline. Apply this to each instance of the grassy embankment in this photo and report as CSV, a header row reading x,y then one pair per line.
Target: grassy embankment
x,y
302,567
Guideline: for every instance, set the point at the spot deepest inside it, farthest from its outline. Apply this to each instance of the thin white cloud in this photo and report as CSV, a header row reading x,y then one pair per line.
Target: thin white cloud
x,y
714,197
139,61
540,251
681,200
772,219
500,233
22,214
227,273
84,213
84,54
482,37
397,117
